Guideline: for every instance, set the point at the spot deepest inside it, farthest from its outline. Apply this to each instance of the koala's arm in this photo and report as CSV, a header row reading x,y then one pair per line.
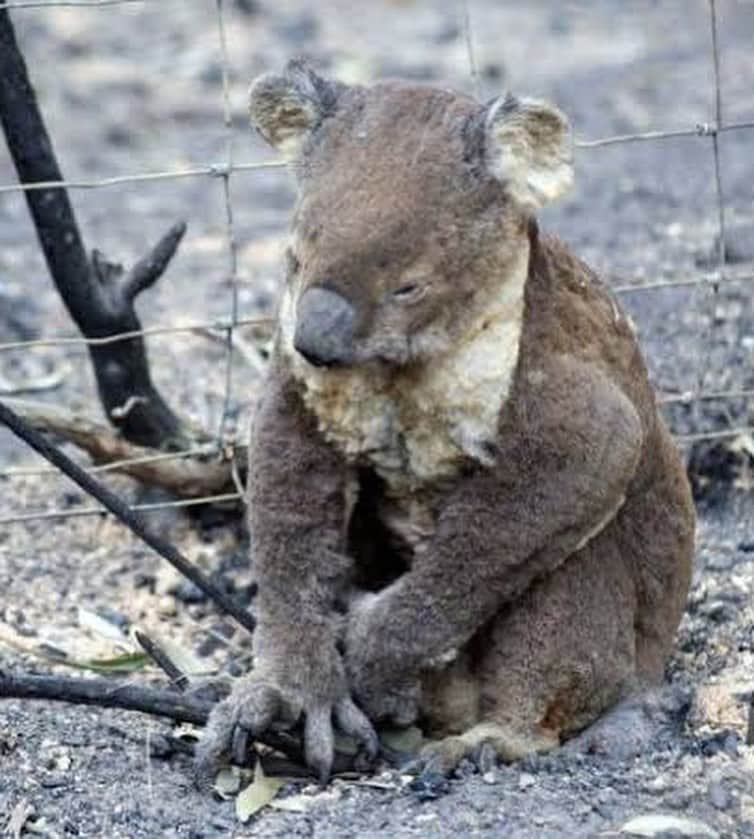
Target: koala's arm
x,y
297,507
297,498
558,479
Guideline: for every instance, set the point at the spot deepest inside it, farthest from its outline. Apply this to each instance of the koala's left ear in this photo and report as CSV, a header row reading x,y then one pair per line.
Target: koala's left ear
x,y
528,147
285,107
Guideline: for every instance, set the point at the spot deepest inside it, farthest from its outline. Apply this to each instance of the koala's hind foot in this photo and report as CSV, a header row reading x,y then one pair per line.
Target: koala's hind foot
x,y
483,744
545,668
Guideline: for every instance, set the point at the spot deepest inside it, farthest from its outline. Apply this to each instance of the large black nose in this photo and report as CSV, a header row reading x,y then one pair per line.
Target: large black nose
x,y
324,327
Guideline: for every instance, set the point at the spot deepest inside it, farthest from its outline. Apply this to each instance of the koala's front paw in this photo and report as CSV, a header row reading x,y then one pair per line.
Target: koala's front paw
x,y
384,689
257,704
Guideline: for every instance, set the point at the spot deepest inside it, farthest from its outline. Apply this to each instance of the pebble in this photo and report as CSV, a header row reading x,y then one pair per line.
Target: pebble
x,y
525,780
719,796
658,824
429,786
166,606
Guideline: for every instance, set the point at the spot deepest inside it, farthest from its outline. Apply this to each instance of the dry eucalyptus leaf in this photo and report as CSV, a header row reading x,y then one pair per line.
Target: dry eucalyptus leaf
x,y
102,627
406,740
260,792
18,818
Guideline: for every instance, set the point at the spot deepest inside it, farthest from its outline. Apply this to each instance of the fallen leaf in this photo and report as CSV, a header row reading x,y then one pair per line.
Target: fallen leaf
x,y
100,626
406,740
260,792
126,663
17,821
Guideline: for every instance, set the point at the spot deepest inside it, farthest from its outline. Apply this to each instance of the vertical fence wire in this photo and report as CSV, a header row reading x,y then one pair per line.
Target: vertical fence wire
x,y
468,36
711,289
223,429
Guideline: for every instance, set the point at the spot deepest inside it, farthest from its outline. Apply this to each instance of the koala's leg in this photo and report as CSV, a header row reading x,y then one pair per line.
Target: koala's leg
x,y
548,665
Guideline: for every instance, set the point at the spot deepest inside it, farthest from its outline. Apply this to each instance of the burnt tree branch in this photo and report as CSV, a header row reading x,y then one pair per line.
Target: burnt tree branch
x,y
191,476
171,704
98,294
114,504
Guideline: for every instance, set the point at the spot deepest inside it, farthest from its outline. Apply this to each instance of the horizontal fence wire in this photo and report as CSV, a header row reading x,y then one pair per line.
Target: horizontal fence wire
x,y
47,4
226,449
76,512
222,170
212,170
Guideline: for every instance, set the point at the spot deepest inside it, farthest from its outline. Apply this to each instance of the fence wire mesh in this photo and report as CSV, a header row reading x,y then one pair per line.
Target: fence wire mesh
x,y
708,282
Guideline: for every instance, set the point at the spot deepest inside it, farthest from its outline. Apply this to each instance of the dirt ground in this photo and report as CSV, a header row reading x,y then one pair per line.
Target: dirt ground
x,y
138,88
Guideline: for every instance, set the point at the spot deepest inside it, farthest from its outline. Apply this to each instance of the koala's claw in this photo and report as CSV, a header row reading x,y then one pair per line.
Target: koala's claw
x,y
442,757
256,706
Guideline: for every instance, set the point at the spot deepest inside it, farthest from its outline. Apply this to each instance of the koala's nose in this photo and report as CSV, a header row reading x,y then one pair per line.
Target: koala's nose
x,y
324,327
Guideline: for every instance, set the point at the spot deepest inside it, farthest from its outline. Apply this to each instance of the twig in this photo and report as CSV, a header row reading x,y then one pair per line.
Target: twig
x,y
177,677
181,707
121,511
105,693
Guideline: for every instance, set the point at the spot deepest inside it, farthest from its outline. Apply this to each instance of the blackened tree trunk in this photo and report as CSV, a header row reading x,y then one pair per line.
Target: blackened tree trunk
x,y
98,294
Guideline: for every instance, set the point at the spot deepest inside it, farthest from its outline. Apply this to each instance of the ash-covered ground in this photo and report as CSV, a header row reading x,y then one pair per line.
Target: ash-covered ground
x,y
138,88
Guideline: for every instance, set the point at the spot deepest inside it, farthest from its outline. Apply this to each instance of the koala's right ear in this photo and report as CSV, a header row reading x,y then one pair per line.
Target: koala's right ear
x,y
286,107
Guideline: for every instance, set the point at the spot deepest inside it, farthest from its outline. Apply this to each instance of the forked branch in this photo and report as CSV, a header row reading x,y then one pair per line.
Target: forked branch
x,y
98,294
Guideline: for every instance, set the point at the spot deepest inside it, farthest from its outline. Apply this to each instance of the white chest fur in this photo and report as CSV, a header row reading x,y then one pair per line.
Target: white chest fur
x,y
414,428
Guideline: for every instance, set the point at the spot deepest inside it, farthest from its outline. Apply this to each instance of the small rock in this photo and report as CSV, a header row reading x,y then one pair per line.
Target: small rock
x,y
658,784
719,796
160,747
187,592
525,780
53,780
166,607
490,777
739,246
719,561
248,7
725,741
429,786
449,31
657,824
298,30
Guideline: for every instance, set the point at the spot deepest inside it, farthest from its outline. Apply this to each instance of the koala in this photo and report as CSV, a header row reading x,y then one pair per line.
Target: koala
x,y
464,505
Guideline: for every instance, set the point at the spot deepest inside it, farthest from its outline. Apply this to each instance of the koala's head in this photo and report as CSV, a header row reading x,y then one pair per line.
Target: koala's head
x,y
413,208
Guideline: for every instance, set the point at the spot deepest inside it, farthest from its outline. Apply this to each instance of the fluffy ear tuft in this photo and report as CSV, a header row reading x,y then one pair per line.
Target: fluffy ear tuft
x,y
286,107
528,147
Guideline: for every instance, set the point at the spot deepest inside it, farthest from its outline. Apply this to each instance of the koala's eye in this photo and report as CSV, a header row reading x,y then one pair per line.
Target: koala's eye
x,y
409,293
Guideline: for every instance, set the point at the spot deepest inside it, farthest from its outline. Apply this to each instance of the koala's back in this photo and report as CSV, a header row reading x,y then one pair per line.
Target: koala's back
x,y
570,313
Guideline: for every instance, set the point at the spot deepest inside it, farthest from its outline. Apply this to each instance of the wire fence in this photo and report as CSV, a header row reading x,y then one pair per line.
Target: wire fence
x,y
224,446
